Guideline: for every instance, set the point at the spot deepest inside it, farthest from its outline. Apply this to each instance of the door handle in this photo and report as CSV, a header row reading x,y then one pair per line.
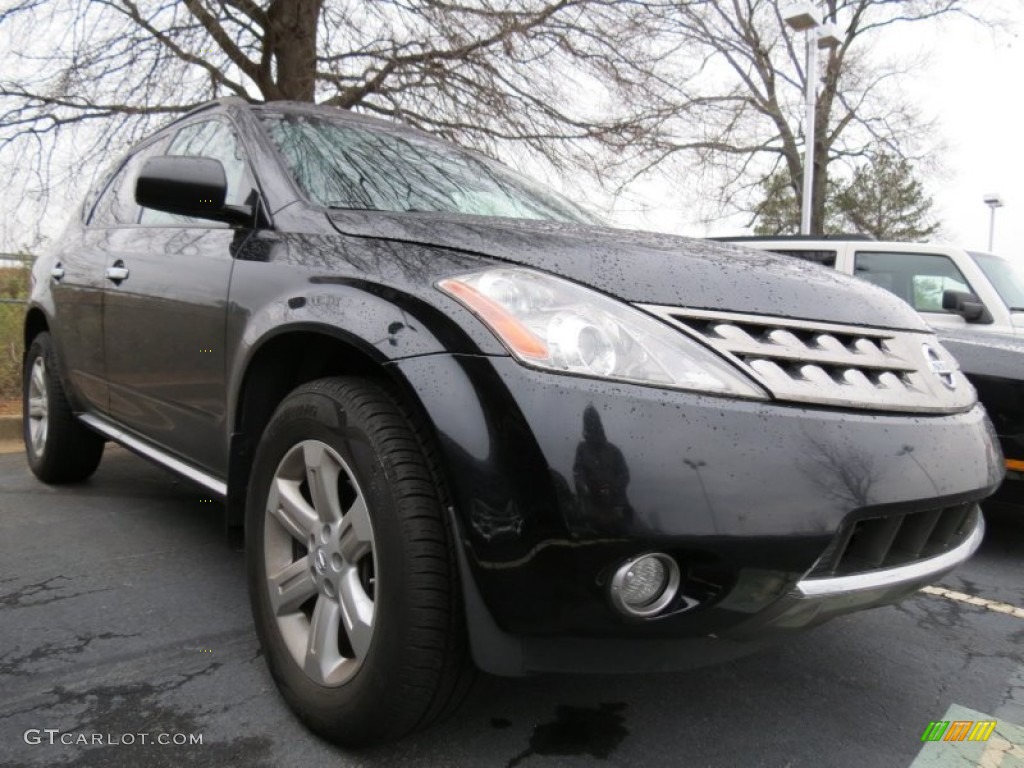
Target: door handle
x,y
57,273
118,272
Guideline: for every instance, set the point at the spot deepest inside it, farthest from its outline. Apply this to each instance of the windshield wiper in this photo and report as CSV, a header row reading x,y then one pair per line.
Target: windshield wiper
x,y
384,210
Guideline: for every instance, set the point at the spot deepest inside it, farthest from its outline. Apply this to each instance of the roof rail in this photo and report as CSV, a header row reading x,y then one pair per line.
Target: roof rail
x,y
222,101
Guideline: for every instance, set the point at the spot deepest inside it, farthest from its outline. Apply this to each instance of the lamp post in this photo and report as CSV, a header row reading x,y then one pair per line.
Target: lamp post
x,y
993,201
805,17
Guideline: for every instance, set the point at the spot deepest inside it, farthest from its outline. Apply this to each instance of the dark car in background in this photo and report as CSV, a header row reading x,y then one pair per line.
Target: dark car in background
x,y
994,364
466,426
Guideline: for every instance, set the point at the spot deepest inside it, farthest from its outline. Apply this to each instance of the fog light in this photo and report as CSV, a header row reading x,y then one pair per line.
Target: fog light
x,y
645,585
644,580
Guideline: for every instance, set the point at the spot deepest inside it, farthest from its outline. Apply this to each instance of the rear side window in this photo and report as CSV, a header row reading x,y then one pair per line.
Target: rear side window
x,y
96,190
918,278
825,258
116,206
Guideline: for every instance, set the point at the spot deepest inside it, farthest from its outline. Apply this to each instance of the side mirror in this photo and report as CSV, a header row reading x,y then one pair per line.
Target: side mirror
x,y
188,186
967,305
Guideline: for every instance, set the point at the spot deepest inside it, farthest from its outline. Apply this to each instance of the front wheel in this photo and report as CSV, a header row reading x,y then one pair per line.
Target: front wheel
x,y
351,571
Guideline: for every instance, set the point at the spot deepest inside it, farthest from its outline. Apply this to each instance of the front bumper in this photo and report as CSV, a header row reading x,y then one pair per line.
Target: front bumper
x,y
746,496
814,600
811,602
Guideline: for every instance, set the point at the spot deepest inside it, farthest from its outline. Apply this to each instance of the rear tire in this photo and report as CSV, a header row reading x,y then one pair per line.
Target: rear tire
x,y
60,449
351,567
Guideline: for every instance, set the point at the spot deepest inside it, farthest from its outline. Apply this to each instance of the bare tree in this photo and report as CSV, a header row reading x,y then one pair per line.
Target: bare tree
x,y
737,112
615,87
563,78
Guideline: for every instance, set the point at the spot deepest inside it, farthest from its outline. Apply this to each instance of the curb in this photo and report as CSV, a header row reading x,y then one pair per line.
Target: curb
x,y
10,427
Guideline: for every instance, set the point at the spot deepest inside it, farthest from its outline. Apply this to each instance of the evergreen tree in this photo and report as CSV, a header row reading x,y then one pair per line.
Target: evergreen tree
x,y
884,199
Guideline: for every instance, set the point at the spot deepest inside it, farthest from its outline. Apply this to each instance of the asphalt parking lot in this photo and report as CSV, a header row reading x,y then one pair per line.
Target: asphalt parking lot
x,y
123,612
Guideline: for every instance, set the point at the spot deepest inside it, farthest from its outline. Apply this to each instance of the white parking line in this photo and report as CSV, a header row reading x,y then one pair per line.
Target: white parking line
x,y
961,597
996,752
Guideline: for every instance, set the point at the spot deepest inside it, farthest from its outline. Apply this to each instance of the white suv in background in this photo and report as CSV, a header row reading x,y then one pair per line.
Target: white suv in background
x,y
950,287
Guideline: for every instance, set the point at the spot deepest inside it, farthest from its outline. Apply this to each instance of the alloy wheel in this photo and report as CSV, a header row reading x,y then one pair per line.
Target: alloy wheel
x,y
38,417
320,562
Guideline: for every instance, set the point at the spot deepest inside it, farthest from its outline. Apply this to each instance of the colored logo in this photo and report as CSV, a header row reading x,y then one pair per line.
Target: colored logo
x,y
958,730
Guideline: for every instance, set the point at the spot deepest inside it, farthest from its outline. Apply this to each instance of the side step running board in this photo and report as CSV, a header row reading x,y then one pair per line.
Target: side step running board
x,y
147,451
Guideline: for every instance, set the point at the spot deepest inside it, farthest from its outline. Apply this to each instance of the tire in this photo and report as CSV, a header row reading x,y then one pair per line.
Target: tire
x,y
343,509
60,449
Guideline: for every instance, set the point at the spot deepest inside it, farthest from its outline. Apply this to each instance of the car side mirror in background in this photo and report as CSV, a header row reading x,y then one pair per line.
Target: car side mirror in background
x,y
188,186
967,305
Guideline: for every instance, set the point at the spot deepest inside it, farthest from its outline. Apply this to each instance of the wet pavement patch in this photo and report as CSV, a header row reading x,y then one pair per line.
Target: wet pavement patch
x,y
40,593
578,731
16,663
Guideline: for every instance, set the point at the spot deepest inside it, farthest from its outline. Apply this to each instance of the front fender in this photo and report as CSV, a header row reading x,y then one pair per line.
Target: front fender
x,y
383,323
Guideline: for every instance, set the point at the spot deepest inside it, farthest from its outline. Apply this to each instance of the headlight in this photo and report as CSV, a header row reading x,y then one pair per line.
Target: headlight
x,y
560,326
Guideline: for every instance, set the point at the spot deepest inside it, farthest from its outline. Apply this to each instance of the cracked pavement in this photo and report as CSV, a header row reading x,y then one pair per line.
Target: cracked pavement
x,y
123,611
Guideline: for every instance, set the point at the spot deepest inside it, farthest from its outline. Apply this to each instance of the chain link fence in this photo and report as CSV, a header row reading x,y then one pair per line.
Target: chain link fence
x,y
14,282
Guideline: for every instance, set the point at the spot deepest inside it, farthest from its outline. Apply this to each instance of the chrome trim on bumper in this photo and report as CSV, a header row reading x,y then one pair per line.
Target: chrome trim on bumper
x,y
887,577
146,450
814,601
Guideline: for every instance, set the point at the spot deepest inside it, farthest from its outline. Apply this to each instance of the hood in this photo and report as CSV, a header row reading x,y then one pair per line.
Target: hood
x,y
985,354
649,268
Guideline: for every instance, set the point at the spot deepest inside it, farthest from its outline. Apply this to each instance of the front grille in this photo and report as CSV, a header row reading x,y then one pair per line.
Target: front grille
x,y
887,541
831,364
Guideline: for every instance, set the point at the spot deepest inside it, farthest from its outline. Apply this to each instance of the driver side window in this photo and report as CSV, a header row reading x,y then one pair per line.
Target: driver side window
x,y
214,139
918,278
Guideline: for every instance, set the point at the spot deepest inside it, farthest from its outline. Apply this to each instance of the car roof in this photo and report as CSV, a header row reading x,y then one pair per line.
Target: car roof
x,y
238,104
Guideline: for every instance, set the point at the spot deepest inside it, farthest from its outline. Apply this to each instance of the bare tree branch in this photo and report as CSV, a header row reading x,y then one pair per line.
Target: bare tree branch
x,y
747,50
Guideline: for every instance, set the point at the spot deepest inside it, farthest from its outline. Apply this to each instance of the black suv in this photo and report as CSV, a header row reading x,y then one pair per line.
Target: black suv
x,y
466,426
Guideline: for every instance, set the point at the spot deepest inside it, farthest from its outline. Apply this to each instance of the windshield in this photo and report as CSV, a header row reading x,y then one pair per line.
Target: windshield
x,y
340,165
1005,276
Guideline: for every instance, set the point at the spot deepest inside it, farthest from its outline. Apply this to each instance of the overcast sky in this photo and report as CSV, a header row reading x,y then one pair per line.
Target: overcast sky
x,y
971,84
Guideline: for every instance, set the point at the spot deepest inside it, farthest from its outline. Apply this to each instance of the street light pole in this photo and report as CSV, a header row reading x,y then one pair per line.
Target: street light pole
x,y
810,101
993,201
805,17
